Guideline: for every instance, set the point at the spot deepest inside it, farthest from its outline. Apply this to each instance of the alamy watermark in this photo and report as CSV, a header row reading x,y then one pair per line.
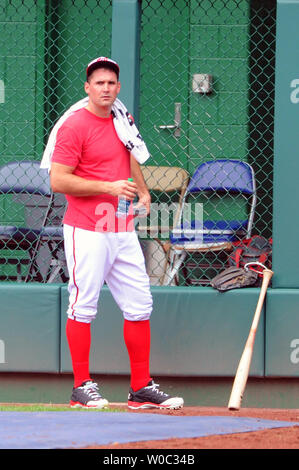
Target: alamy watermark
x,y
2,351
294,96
294,356
165,219
184,223
2,92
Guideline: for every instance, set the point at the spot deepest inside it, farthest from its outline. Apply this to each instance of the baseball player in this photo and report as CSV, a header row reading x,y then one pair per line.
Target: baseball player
x,y
91,166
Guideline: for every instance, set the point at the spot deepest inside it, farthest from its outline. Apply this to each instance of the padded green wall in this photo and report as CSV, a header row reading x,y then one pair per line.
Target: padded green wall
x,y
195,332
286,161
282,333
30,328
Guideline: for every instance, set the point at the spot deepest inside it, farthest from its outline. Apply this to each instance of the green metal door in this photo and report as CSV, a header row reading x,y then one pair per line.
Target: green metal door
x,y
187,121
164,75
182,42
231,45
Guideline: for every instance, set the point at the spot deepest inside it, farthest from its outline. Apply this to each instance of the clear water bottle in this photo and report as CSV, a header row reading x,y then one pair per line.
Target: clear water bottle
x,y
123,206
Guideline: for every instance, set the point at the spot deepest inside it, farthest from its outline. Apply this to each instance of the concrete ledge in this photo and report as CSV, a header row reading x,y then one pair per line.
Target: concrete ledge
x,y
197,391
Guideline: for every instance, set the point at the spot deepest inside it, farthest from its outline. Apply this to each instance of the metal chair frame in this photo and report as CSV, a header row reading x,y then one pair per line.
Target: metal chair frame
x,y
235,177
26,177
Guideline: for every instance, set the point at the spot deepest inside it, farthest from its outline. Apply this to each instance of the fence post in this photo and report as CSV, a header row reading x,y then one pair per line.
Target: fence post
x,y
125,50
286,161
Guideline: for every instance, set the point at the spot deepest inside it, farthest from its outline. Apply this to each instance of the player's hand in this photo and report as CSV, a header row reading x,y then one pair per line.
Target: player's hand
x,y
144,201
125,188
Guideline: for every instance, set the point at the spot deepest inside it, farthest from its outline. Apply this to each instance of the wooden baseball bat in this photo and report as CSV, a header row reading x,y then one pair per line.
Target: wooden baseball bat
x,y
245,361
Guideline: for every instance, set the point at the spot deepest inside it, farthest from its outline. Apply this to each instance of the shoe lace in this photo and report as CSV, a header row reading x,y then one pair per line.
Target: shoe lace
x,y
92,390
155,388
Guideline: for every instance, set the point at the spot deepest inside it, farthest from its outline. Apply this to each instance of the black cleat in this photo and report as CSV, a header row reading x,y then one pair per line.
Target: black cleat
x,y
151,397
87,395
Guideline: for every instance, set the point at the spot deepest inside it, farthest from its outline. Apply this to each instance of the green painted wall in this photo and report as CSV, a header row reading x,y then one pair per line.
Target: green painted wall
x,y
126,30
21,42
219,46
189,39
78,32
164,79
22,35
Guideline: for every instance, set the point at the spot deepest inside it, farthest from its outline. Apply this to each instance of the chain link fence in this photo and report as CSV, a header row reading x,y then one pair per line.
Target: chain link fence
x,y
44,49
206,94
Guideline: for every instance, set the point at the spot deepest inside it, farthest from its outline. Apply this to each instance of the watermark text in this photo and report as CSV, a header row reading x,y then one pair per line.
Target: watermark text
x,y
2,92
184,223
2,352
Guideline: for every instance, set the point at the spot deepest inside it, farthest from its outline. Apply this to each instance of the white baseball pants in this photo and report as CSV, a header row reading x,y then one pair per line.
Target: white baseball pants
x,y
115,258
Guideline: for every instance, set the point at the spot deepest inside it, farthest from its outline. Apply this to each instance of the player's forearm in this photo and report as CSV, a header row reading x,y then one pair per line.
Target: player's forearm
x,y
138,176
63,180
142,189
77,186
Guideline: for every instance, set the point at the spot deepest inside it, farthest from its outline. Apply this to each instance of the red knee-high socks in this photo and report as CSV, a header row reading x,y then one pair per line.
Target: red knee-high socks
x,y
137,339
79,340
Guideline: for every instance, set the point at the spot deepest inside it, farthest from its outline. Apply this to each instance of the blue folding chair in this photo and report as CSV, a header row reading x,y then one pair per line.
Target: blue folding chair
x,y
27,178
195,234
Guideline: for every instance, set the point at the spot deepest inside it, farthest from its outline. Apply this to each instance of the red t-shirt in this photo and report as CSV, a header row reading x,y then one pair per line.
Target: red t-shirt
x,y
90,144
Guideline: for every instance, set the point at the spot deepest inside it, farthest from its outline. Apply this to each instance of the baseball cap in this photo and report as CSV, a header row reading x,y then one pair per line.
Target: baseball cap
x,y
100,62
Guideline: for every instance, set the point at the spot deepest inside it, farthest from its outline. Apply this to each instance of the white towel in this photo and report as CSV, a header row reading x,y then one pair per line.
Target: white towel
x,y
124,126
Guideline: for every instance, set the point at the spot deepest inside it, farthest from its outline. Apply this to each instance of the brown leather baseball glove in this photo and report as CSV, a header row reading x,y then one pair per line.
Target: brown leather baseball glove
x,y
234,278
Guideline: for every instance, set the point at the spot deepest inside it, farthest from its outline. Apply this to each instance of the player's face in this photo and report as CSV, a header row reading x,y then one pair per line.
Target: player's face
x,y
102,88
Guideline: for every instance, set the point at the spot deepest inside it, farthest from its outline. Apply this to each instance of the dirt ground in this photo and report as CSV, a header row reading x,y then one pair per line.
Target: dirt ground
x,y
279,438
